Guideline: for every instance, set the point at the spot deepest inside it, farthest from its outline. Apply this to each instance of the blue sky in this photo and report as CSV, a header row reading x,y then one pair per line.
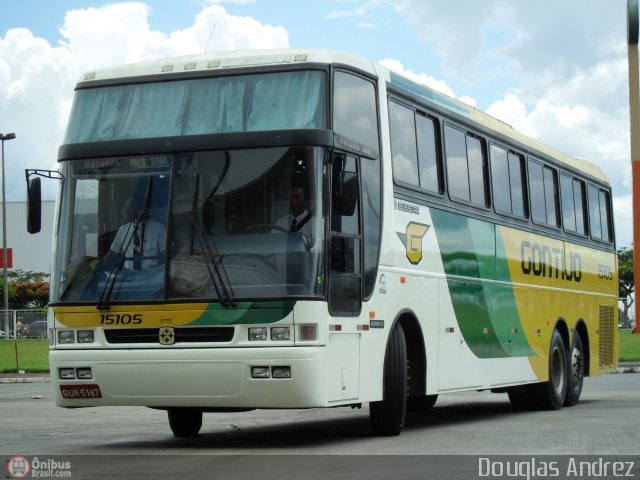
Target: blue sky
x,y
554,69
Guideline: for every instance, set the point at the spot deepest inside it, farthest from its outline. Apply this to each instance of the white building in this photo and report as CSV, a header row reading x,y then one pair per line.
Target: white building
x,y
29,252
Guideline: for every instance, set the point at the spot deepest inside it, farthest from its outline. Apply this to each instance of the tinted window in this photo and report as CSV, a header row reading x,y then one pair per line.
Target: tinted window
x,y
536,189
594,213
403,144
579,202
427,154
500,178
573,197
354,109
370,178
543,188
507,180
516,182
457,174
551,195
605,215
476,171
568,203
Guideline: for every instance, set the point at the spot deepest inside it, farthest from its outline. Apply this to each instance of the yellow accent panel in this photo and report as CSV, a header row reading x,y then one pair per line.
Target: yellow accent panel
x,y
126,315
553,281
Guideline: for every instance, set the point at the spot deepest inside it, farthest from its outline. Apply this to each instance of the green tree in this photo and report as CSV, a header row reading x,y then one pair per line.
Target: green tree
x,y
626,286
26,289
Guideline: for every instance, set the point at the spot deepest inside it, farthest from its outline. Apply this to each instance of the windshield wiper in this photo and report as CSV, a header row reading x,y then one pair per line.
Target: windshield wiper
x,y
212,257
118,263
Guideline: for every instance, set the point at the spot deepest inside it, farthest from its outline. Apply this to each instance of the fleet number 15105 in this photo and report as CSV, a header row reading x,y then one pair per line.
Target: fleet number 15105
x,y
120,319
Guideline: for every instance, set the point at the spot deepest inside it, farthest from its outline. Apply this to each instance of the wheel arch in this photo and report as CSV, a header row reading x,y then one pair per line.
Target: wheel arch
x,y
563,329
416,354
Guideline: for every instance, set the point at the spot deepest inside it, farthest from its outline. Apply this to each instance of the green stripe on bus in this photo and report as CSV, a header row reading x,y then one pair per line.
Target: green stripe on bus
x,y
486,311
245,313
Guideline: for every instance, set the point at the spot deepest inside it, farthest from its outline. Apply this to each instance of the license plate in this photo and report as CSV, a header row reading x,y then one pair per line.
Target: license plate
x,y
80,391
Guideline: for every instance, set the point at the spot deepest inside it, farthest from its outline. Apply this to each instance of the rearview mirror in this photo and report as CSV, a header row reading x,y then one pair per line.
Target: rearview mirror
x,y
34,205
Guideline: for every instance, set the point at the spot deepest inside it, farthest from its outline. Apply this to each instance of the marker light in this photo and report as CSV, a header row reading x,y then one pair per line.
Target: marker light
x,y
307,332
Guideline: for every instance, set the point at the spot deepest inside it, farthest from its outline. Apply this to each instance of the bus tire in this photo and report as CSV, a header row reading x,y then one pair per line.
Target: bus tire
x,y
421,404
185,422
387,415
575,371
551,394
523,398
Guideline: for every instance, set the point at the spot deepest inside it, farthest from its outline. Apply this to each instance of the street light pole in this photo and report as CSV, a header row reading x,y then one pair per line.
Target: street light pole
x,y
5,276
634,112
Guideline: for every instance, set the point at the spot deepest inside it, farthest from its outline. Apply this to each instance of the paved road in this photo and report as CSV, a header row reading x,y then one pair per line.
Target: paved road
x,y
605,422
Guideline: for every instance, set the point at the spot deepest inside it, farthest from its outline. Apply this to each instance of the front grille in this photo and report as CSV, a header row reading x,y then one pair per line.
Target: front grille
x,y
182,335
606,336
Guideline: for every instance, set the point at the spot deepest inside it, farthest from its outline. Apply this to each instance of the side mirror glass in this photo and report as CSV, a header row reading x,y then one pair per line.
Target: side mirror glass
x,y
34,205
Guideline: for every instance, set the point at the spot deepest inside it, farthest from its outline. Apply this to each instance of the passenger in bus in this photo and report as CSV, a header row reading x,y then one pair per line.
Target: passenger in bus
x,y
299,217
143,238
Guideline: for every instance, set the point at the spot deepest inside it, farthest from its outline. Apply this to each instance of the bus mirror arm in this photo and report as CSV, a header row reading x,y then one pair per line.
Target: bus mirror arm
x,y
34,196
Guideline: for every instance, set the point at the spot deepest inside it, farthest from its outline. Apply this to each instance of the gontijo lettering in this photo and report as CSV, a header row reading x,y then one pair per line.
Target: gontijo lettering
x,y
545,261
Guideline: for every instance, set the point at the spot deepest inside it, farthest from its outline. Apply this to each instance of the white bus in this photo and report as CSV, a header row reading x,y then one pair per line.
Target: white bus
x,y
434,250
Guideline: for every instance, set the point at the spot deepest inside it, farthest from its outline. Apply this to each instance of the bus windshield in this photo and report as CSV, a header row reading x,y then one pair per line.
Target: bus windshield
x,y
213,225
227,104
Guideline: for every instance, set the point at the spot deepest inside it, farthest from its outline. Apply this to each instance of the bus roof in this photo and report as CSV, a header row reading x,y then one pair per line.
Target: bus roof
x,y
216,61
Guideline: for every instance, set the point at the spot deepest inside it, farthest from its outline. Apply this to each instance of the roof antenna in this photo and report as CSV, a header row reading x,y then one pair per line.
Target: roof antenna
x,y
208,41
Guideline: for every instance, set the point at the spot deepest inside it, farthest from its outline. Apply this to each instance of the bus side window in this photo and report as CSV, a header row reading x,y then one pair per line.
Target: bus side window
x,y
345,289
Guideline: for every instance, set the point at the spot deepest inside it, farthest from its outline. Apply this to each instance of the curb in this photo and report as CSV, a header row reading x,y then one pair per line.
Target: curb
x,y
628,370
11,379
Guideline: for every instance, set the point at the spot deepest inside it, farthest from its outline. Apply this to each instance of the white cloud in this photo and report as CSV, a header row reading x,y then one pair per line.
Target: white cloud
x,y
40,78
563,67
423,78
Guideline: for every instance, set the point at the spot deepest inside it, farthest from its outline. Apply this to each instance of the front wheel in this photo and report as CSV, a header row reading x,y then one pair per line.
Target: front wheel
x,y
185,422
575,371
387,416
551,394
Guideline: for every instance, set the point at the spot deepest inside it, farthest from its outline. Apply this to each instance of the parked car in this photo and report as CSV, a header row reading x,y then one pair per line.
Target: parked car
x,y
3,334
37,329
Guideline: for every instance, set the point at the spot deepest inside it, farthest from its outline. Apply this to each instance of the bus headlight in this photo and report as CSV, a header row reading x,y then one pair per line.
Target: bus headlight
x,y
280,333
85,336
66,336
257,333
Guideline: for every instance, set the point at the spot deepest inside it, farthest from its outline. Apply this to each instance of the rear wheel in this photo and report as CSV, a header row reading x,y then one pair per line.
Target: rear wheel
x,y
551,394
575,369
387,415
185,422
